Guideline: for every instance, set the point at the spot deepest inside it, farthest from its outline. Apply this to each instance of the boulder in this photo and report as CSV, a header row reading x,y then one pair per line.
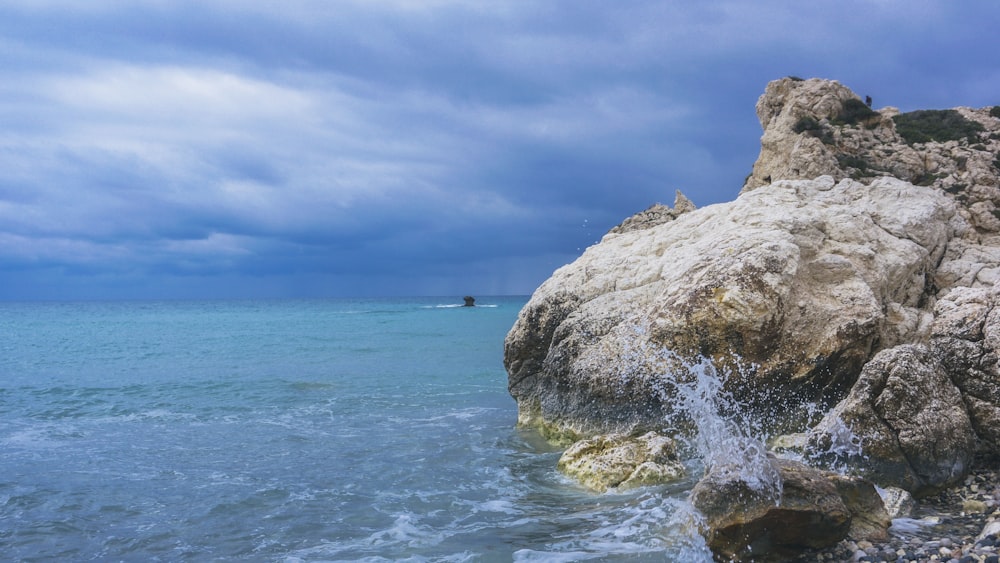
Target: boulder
x,y
622,461
813,509
910,421
791,287
922,413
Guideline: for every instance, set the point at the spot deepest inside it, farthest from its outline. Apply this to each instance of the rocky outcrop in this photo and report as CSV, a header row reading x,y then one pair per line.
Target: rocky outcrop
x,y
820,127
656,214
814,509
921,413
966,338
858,269
618,460
792,287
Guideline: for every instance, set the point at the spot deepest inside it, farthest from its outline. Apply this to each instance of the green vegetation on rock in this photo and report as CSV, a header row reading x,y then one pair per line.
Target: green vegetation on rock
x,y
854,111
810,126
923,126
806,123
852,161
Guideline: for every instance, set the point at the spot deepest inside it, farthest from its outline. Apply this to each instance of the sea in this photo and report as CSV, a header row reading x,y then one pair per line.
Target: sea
x,y
292,431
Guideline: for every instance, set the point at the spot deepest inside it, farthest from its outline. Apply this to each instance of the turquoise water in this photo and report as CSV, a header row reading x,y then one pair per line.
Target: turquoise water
x,y
333,430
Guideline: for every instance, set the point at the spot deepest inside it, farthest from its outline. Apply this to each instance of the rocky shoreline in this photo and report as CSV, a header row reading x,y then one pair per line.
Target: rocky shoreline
x,y
959,525
849,298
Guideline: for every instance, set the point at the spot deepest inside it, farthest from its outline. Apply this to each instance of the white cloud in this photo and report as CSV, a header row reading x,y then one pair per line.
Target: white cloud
x,y
197,100
215,244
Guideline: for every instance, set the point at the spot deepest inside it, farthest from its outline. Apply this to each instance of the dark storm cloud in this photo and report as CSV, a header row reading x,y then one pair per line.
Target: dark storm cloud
x,y
325,148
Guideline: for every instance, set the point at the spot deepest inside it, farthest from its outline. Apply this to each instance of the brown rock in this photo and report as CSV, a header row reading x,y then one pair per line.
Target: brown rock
x,y
816,509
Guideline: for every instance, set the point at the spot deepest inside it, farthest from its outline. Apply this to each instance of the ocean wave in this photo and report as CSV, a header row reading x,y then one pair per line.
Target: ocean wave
x,y
461,305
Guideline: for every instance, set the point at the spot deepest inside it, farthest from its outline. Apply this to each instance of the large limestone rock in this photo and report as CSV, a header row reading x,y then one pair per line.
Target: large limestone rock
x,y
618,460
791,286
814,509
860,263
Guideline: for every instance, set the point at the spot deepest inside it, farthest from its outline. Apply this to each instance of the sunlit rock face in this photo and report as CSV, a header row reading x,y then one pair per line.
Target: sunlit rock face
x,y
791,287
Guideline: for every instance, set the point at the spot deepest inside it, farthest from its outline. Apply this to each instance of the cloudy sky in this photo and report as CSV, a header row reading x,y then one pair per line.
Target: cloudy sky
x,y
312,148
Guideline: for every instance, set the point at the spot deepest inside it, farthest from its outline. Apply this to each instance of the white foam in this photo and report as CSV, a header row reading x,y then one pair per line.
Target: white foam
x,y
912,525
405,531
527,555
498,505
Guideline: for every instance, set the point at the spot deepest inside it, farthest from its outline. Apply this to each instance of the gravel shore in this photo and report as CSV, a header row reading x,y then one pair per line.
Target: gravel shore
x,y
959,525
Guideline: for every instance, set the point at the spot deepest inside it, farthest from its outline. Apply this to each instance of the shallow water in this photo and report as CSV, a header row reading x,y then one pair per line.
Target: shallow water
x,y
290,431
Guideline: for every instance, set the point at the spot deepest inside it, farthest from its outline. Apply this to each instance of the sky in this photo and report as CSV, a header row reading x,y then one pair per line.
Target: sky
x,y
202,149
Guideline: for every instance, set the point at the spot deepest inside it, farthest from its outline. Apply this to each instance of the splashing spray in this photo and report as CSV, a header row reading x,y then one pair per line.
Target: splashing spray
x,y
723,441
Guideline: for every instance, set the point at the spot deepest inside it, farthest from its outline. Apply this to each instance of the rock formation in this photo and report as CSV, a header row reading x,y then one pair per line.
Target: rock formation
x,y
792,286
820,127
655,215
858,269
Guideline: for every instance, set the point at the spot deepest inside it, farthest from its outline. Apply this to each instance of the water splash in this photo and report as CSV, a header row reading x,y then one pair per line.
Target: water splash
x,y
727,437
724,437
684,525
834,445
